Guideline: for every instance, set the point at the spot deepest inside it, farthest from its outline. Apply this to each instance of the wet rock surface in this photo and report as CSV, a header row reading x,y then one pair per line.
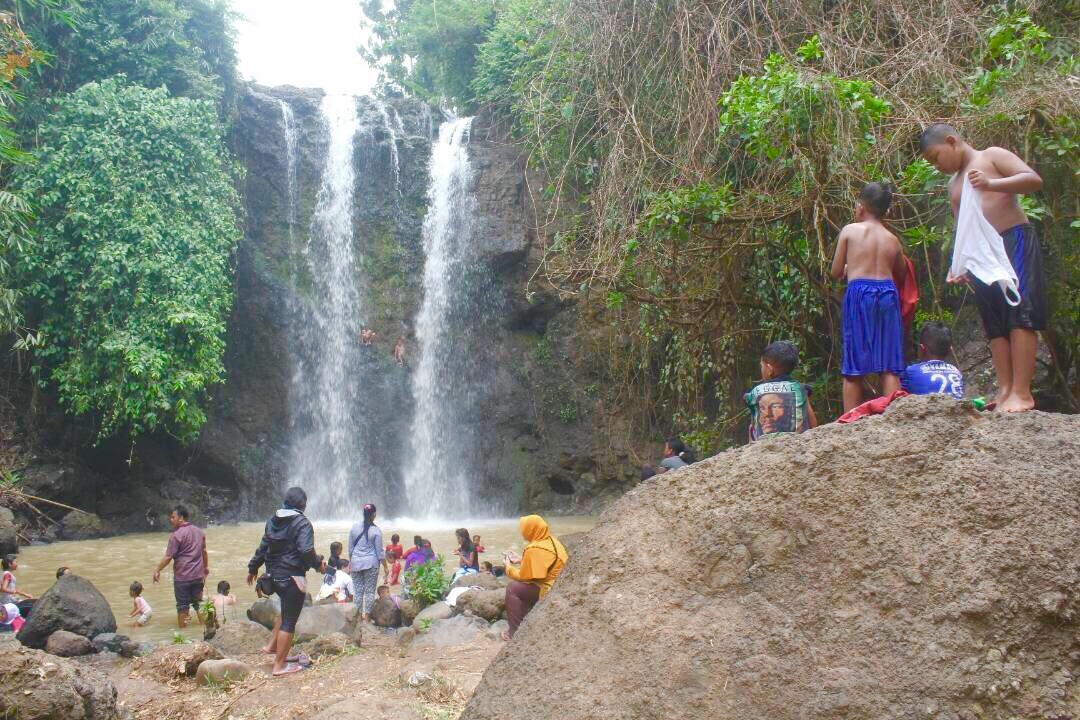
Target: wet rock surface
x,y
914,565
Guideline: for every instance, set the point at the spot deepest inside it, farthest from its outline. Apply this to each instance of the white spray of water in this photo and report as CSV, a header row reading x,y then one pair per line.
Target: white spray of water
x,y
437,475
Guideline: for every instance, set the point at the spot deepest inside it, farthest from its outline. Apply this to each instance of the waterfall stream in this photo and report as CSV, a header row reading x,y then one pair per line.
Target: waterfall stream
x,y
326,404
442,460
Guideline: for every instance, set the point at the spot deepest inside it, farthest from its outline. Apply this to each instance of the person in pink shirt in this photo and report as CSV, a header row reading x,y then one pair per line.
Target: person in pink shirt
x,y
187,552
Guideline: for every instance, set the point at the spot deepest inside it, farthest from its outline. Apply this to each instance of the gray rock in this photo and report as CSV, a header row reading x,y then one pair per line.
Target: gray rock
x,y
265,611
409,610
487,581
332,644
325,620
240,638
73,604
435,611
496,629
487,604
457,630
222,672
405,636
385,614
38,686
67,644
77,525
111,642
9,537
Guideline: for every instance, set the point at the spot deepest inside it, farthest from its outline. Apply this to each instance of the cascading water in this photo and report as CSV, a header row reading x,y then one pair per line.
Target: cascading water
x,y
442,460
326,398
288,129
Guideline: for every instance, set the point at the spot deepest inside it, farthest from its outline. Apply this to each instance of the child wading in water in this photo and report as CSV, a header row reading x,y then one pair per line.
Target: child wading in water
x,y
223,599
779,404
140,608
995,177
870,257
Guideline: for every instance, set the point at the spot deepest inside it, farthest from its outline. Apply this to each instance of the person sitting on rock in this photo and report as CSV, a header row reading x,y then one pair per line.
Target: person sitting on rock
x,y
934,375
341,586
675,455
469,562
539,564
779,404
10,618
8,593
488,568
140,608
384,592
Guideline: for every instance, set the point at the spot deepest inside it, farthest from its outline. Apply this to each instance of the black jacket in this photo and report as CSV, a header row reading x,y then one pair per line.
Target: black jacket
x,y
287,547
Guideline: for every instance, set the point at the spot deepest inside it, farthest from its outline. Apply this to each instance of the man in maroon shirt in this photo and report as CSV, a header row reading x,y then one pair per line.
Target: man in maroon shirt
x,y
187,552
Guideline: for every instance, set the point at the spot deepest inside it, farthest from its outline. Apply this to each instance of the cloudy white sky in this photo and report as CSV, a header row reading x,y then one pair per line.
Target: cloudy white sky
x,y
307,44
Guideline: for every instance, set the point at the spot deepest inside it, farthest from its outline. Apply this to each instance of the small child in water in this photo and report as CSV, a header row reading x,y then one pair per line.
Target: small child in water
x,y
870,257
223,599
934,375
140,608
779,403
476,543
393,575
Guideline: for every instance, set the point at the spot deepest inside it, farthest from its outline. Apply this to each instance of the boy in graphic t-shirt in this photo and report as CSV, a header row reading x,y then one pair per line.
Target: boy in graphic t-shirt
x,y
934,376
779,404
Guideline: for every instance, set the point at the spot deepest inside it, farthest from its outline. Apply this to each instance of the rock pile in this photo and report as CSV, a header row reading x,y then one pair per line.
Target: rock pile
x,y
920,564
72,604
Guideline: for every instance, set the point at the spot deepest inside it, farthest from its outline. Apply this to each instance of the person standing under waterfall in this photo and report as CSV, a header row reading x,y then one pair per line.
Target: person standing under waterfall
x,y
366,556
288,550
399,351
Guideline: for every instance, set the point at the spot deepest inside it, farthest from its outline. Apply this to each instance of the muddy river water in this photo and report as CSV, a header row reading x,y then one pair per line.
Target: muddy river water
x,y
113,563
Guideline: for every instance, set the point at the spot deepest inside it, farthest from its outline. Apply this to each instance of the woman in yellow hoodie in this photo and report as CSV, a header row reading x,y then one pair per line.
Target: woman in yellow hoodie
x,y
540,563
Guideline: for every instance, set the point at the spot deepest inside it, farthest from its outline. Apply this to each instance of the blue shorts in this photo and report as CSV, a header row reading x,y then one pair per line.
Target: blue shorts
x,y
873,331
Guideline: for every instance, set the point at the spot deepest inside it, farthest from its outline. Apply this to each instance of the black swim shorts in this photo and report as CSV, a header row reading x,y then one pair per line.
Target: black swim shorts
x,y
188,594
292,602
998,317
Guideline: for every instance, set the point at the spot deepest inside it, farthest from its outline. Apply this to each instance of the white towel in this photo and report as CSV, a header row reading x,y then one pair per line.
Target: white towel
x,y
979,248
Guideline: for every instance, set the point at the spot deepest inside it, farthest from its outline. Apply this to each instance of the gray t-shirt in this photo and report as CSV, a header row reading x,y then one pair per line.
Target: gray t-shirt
x,y
368,552
672,463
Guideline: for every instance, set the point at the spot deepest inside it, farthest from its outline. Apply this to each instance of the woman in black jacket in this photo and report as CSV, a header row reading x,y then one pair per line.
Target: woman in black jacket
x,y
288,549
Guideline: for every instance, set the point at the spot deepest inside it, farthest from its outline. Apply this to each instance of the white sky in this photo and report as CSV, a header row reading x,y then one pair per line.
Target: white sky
x,y
307,44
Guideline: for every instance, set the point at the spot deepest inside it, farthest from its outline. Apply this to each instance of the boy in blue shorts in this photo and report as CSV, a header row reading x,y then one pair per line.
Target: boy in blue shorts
x,y
779,404
870,257
934,376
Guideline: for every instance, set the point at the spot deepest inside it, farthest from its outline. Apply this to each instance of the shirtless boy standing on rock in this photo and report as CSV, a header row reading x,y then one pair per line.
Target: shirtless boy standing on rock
x,y
1000,176
870,257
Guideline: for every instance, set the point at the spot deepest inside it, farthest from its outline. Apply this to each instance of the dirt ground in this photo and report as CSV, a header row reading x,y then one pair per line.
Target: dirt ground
x,y
369,683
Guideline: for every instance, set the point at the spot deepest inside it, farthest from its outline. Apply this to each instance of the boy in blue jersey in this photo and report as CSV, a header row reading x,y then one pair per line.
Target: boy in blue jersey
x,y
779,404
934,376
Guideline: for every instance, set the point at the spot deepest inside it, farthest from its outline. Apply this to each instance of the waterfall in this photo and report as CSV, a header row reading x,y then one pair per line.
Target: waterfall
x,y
442,459
288,129
328,416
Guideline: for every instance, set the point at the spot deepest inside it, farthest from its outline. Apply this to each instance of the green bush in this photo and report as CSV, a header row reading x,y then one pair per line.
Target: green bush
x,y
130,269
427,582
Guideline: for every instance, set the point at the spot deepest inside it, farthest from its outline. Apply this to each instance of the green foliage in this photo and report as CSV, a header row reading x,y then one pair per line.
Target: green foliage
x,y
130,272
178,638
429,48
427,581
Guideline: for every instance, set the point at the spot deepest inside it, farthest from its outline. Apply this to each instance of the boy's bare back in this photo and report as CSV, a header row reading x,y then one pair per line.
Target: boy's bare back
x,y
868,251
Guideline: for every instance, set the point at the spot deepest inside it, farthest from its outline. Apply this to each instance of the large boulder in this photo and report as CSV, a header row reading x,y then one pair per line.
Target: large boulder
x,y
384,613
919,564
487,604
434,611
67,644
73,604
240,638
326,619
79,525
38,686
265,611
9,536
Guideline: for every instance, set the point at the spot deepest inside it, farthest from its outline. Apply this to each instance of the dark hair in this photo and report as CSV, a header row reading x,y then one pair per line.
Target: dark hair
x,y
486,565
937,338
295,499
224,587
781,354
61,571
688,456
877,197
675,445
182,512
8,561
369,518
395,538
647,472
382,587
417,540
335,550
464,540
935,134
136,588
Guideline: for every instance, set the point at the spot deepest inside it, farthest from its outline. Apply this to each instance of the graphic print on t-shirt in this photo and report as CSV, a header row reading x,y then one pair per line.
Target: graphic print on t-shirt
x,y
776,407
933,377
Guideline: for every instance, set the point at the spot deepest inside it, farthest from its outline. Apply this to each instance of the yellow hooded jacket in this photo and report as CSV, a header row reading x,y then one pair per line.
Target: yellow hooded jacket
x,y
543,558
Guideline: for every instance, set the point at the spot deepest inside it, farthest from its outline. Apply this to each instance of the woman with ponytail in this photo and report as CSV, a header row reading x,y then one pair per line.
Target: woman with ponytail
x,y
366,556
